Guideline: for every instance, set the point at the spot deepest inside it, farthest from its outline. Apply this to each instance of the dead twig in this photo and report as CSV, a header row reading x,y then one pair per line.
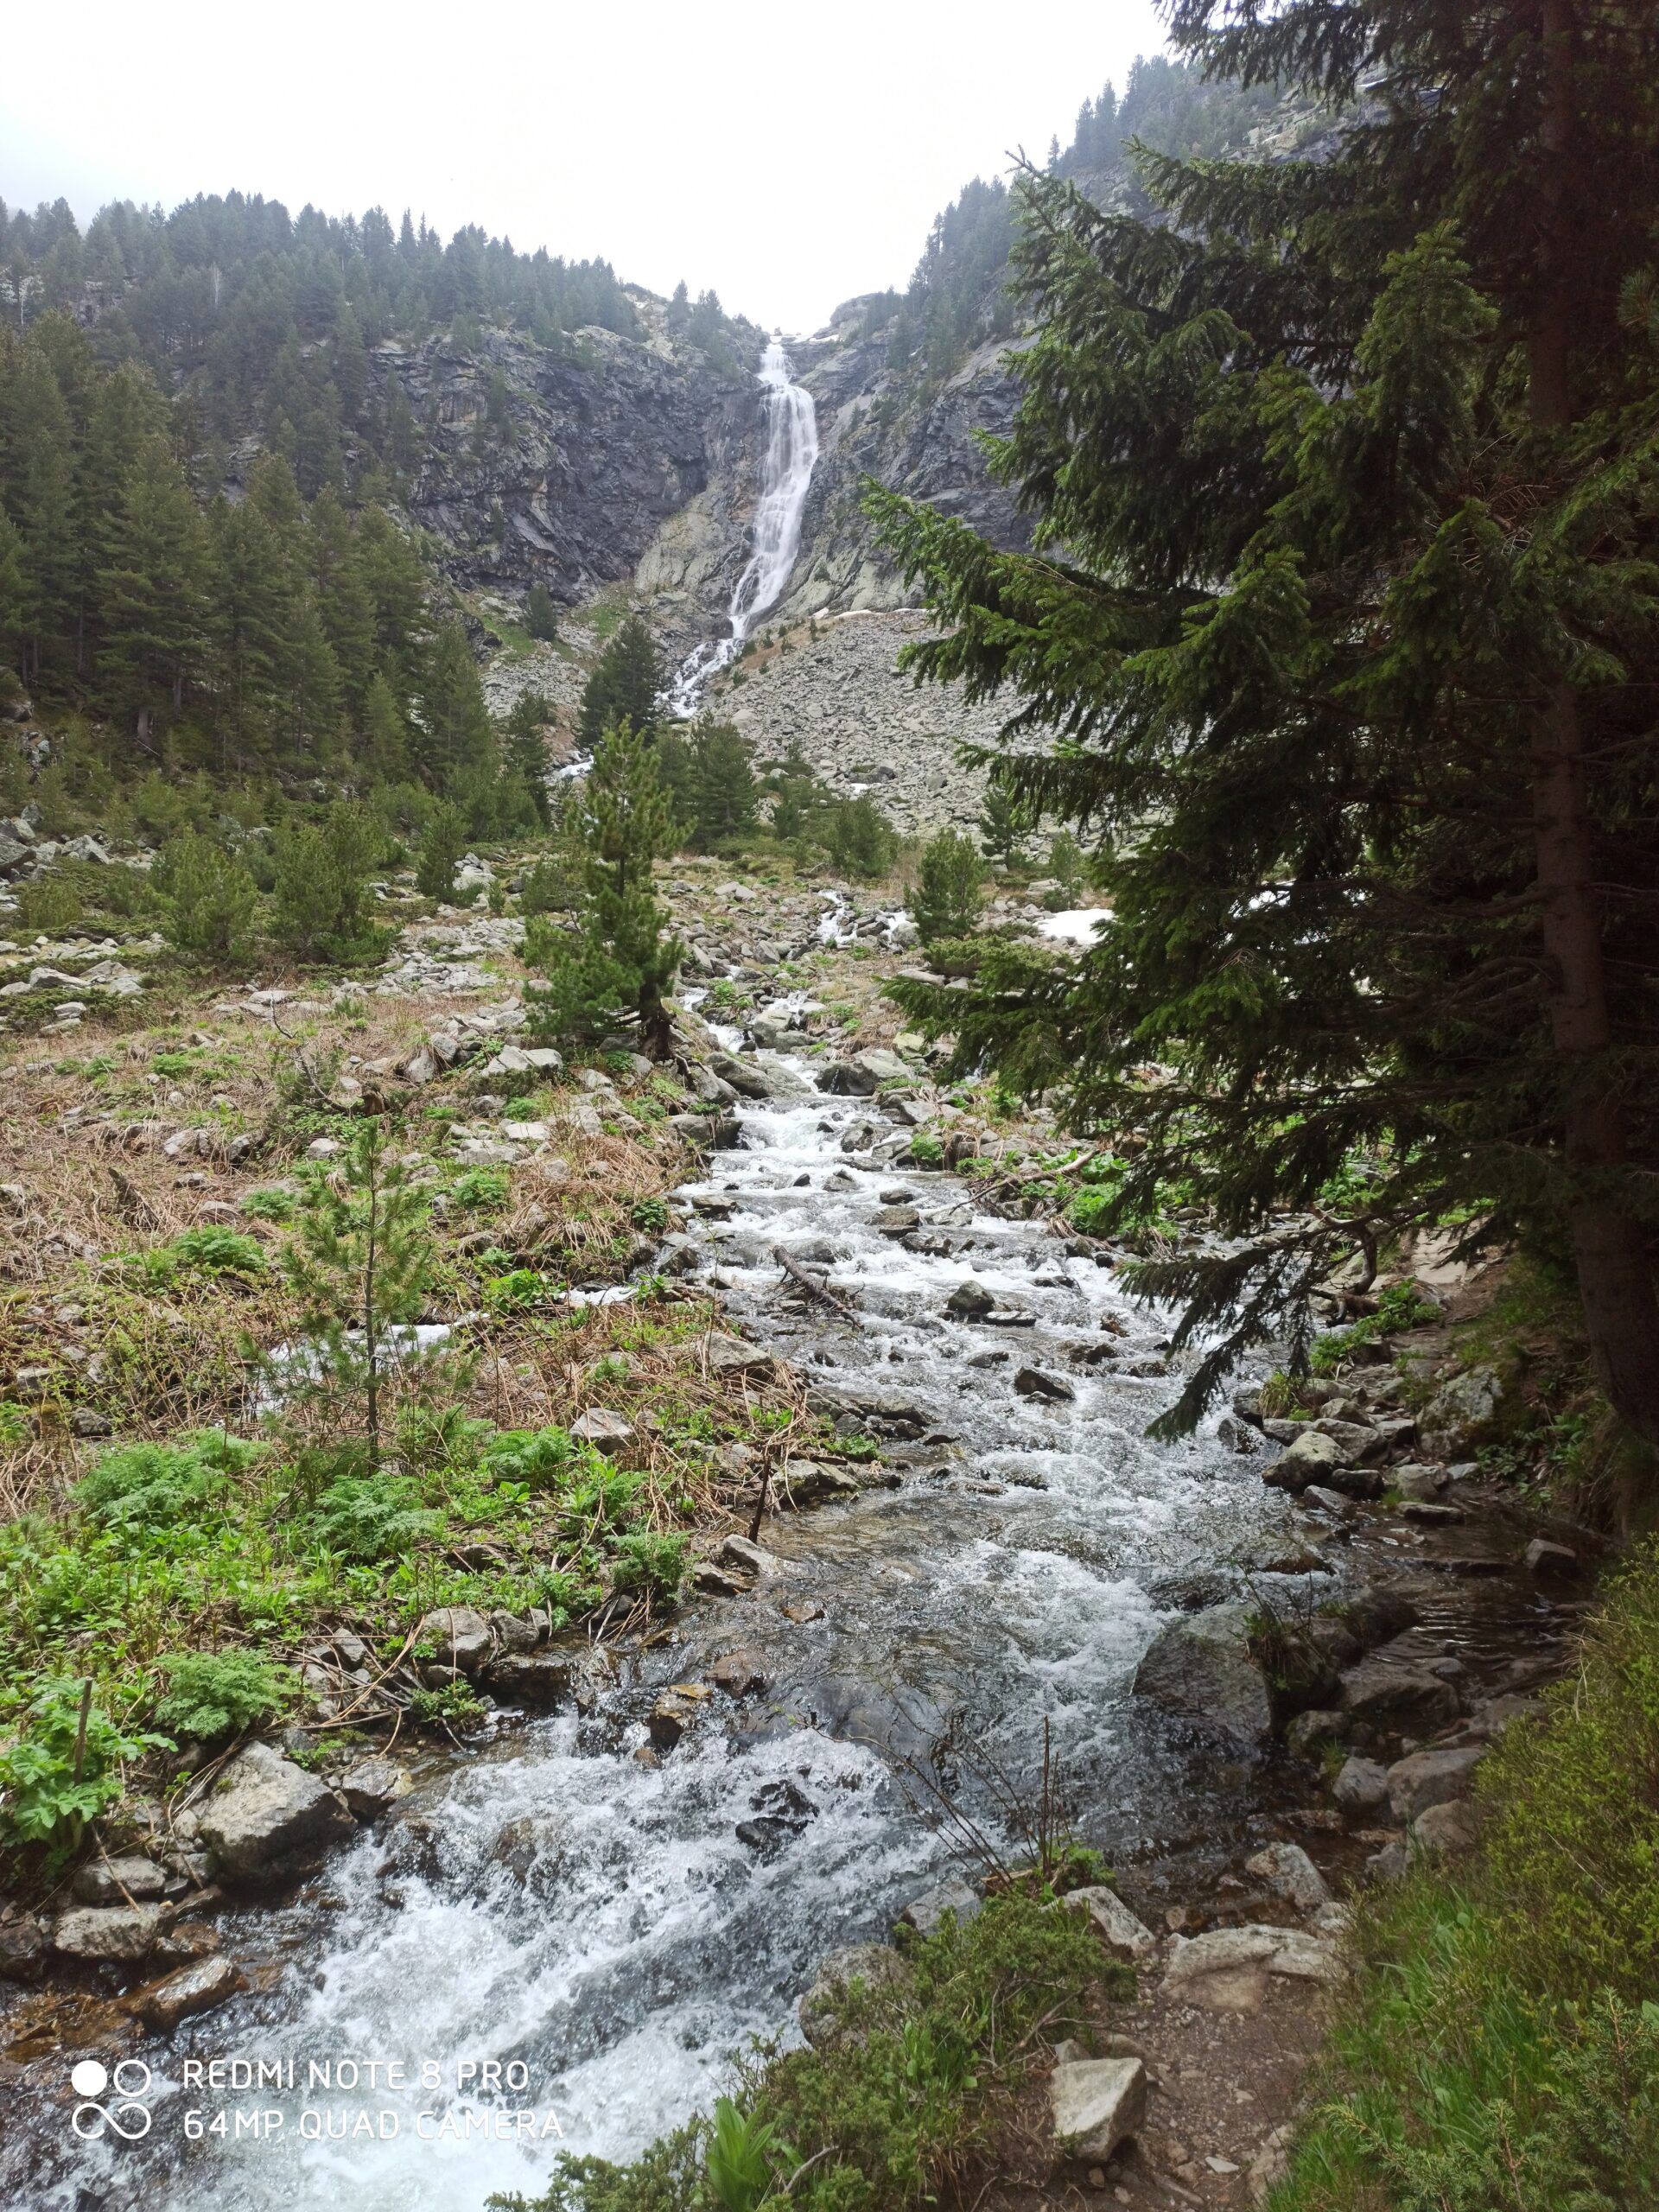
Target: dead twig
x,y
813,1287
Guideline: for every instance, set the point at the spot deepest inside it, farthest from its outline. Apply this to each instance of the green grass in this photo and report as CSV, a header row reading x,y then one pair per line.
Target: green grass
x,y
1500,2051
908,2095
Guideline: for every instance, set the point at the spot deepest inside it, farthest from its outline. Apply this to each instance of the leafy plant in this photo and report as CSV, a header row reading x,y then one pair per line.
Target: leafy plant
x,y
208,1251
212,1695
645,1560
63,1768
742,2157
481,1190
374,1517
138,1487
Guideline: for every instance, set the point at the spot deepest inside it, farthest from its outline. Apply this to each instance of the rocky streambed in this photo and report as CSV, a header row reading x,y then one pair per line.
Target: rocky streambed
x,y
605,1899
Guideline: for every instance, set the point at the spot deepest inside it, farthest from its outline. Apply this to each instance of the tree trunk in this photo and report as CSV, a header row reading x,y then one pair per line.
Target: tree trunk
x,y
1610,1250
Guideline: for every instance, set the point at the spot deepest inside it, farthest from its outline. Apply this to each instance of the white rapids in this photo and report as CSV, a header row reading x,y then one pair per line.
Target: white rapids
x,y
618,1927
786,476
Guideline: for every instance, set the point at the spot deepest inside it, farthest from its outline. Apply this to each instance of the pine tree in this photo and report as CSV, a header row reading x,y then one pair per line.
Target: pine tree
x,y
541,616
443,843
153,588
618,959
207,897
724,792
384,734
858,837
455,734
623,687
944,902
1004,823
322,890
1343,598
523,752
360,1259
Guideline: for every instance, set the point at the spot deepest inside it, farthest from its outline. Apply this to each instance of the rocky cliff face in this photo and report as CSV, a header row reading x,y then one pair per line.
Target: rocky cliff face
x,y
602,443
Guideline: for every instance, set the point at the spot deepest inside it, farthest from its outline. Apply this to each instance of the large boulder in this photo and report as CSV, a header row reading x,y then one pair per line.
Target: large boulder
x,y
1096,2104
117,1934
1201,1665
1465,1412
265,1810
1291,1875
926,1914
459,1638
1430,1778
1228,1970
1384,1693
1312,1457
1127,1938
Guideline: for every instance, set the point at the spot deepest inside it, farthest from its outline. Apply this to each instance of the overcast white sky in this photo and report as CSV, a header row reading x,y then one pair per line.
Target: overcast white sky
x,y
788,155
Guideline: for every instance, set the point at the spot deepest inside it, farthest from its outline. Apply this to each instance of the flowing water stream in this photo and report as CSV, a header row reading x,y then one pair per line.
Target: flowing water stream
x,y
791,454
558,1903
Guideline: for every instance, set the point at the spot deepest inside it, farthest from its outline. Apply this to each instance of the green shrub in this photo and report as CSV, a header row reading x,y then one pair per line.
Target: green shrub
x,y
141,1486
212,1695
650,1214
53,1778
541,1459
207,897
944,903
481,1190
209,1250
925,1150
47,903
647,1560
270,1205
907,2089
378,1517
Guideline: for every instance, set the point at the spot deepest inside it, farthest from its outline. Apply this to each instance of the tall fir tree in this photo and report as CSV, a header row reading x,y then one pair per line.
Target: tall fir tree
x,y
623,686
1342,603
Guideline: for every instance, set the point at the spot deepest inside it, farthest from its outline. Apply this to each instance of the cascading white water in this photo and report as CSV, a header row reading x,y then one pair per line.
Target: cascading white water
x,y
791,455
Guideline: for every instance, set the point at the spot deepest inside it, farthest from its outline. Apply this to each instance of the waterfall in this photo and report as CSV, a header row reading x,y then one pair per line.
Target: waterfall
x,y
791,454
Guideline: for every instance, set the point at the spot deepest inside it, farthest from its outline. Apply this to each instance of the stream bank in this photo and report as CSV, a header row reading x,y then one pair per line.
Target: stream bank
x,y
613,1899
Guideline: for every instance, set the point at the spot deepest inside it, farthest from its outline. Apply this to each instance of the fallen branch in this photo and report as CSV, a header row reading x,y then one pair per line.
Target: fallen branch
x,y
812,1287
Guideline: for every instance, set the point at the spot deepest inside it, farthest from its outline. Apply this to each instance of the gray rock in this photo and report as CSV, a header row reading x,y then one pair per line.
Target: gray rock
x,y
1546,1559
1388,1863
1049,1389
1362,1785
263,1809
1200,1666
805,1482
1290,1874
1309,1732
1465,1412
1429,1779
925,1912
847,1079
1127,1938
458,1638
535,1677
731,1357
601,1427
1445,1831
118,1881
1312,1457
968,1300
742,1673
747,1558
201,1986
1227,1970
22,1947
109,1935
1095,2104
1385,1694
877,1965
372,1785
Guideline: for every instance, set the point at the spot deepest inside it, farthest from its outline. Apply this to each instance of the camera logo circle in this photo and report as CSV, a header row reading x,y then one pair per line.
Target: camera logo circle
x,y
126,2117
